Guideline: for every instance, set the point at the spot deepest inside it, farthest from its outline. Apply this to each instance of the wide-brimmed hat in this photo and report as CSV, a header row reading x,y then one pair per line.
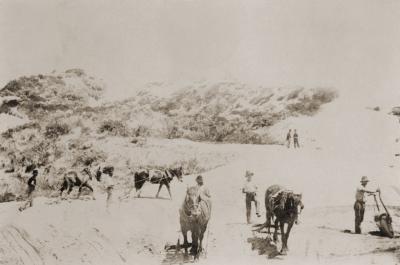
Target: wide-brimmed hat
x,y
364,179
249,173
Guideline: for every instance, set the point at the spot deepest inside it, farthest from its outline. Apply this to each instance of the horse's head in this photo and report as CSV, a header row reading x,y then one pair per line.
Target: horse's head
x,y
298,204
284,203
30,168
86,170
178,172
192,201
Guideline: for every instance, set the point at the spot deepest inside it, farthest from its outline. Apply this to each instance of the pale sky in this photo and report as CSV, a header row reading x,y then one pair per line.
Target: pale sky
x,y
350,45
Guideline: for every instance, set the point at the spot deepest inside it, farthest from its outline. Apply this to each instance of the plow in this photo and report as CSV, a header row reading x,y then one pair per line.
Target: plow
x,y
383,219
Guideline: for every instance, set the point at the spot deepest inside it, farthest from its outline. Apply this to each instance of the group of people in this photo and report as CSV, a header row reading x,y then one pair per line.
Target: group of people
x,y
295,138
249,188
107,182
250,191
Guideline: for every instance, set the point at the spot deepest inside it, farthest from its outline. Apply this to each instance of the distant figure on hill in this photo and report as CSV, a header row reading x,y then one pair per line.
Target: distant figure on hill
x,y
296,139
359,205
250,189
31,188
288,138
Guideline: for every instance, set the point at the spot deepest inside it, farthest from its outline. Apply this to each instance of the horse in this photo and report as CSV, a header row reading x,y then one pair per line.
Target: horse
x,y
194,216
161,177
284,206
71,180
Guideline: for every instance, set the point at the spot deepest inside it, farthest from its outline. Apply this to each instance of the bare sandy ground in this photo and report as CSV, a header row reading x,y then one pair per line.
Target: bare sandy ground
x,y
135,231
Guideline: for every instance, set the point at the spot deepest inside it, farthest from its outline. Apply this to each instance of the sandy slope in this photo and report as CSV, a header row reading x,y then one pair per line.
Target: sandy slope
x,y
335,153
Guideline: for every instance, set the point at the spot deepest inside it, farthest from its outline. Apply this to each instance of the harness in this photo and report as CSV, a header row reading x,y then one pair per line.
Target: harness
x,y
279,201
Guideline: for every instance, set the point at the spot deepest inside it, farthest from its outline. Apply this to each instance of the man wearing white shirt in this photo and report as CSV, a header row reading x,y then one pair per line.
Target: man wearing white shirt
x,y
250,189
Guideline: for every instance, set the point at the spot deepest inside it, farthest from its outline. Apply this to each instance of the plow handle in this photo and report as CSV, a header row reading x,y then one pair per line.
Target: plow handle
x,y
383,204
376,203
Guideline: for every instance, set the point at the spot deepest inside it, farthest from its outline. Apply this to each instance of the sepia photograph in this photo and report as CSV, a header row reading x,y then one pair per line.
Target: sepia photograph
x,y
210,132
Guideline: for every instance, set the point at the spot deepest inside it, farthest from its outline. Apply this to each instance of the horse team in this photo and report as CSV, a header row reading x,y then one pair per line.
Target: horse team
x,y
282,206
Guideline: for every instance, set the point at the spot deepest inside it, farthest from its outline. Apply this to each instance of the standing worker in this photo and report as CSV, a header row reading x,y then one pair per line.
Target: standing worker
x,y
296,139
250,189
108,183
31,188
288,138
359,205
204,192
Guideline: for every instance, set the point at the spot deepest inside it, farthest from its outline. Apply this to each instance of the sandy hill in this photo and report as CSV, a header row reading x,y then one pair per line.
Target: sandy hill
x,y
340,142
62,120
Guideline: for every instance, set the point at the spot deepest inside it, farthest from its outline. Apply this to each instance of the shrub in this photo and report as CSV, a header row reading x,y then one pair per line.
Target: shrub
x,y
310,105
9,133
12,86
56,129
89,157
141,130
77,72
294,94
39,153
114,128
323,96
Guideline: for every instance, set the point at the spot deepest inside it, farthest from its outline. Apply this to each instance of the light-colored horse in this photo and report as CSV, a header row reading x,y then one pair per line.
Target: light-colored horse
x,y
71,180
194,216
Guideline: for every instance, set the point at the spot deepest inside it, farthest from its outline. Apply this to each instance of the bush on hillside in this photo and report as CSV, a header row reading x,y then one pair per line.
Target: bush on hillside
x,y
310,105
76,71
10,132
141,130
56,129
323,96
88,157
12,86
39,152
114,128
294,94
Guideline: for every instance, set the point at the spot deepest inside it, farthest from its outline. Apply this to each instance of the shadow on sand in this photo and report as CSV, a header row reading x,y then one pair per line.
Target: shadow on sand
x,y
126,199
379,234
265,246
177,257
151,198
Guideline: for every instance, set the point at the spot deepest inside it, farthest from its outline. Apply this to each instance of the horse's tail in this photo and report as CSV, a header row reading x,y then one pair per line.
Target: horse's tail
x,y
136,180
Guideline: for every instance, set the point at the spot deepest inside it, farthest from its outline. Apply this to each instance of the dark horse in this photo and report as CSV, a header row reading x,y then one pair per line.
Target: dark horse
x,y
284,206
71,180
194,216
161,177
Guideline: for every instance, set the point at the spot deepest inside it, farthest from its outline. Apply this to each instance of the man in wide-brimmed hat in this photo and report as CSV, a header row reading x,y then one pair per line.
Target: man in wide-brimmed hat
x,y
250,189
359,205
